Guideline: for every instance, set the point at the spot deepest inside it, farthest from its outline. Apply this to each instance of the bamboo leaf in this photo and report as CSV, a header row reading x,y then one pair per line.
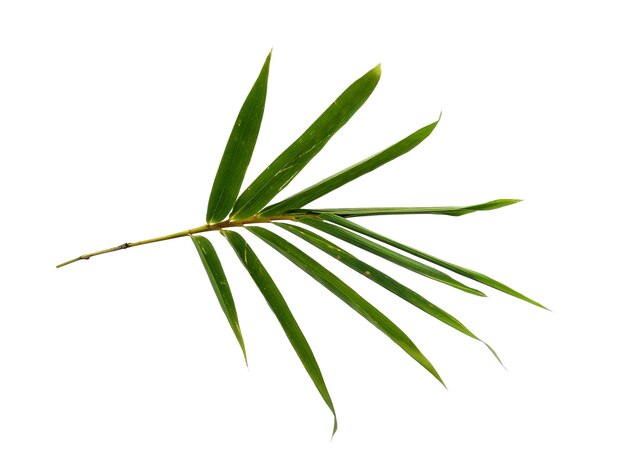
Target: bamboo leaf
x,y
386,253
238,151
214,269
476,276
279,306
451,210
351,173
382,280
345,293
289,163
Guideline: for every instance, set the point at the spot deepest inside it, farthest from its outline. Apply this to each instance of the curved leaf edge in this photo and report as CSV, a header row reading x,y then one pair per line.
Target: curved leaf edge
x,y
278,305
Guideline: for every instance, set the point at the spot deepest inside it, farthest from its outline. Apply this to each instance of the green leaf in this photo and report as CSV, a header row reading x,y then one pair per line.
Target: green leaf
x,y
214,269
476,276
289,163
351,173
382,279
345,293
386,253
451,210
238,151
280,308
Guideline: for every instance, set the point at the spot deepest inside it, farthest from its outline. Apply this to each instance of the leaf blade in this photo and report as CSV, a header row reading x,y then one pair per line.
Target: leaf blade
x,y
346,294
351,173
470,274
217,277
381,279
385,253
239,149
283,314
293,159
448,210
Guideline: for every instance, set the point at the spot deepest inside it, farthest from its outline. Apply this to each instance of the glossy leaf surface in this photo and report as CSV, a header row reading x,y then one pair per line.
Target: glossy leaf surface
x,y
281,310
476,276
381,279
351,173
289,163
238,151
386,253
214,269
450,210
345,293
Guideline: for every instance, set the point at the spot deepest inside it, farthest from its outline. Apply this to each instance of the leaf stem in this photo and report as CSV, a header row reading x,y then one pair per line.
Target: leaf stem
x,y
203,228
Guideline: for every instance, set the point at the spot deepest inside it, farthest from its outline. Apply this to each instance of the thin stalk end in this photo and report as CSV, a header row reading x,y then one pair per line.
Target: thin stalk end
x,y
70,262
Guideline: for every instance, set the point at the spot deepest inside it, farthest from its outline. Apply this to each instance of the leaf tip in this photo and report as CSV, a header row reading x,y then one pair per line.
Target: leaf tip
x,y
534,302
430,368
477,292
508,202
495,354
245,354
442,382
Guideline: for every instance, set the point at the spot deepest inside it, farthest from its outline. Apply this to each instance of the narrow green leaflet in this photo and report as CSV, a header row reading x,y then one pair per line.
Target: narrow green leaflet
x,y
232,205
345,293
476,276
289,163
382,279
452,210
238,151
278,305
214,269
351,173
386,253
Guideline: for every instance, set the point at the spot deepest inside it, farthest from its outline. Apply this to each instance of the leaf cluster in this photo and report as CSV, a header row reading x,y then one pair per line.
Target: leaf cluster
x,y
229,207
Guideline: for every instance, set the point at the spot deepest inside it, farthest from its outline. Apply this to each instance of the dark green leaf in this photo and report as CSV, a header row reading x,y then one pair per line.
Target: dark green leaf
x,y
452,210
238,150
381,279
476,276
289,163
351,173
345,293
278,305
386,253
214,269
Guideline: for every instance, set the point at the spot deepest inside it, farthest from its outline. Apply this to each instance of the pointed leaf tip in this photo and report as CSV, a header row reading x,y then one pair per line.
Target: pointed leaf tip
x,y
476,276
351,173
295,157
330,224
455,211
239,149
217,277
339,288
283,314
381,279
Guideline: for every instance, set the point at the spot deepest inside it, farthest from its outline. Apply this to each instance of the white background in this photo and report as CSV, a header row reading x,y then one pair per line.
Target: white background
x,y
113,117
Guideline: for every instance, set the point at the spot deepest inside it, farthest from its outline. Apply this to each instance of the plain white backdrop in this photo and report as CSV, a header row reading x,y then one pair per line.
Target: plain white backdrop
x,y
113,117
